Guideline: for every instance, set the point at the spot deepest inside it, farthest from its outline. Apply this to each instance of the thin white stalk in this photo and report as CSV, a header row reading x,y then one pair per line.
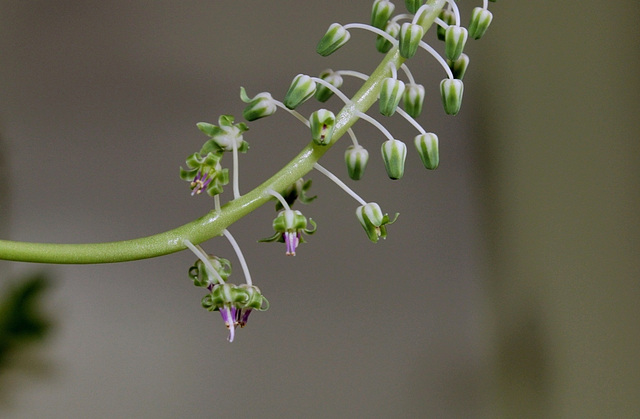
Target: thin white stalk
x,y
408,73
236,248
340,183
216,202
203,257
333,88
353,74
236,182
437,56
380,32
279,197
292,112
411,120
353,137
376,124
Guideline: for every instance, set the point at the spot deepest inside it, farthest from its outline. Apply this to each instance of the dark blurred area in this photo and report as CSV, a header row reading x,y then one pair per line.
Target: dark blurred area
x,y
507,287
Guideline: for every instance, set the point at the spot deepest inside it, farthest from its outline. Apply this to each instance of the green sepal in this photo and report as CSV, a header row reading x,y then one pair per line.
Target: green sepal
x,y
260,106
480,21
322,124
413,99
356,158
201,276
451,91
410,37
335,37
301,89
374,221
455,37
381,12
390,94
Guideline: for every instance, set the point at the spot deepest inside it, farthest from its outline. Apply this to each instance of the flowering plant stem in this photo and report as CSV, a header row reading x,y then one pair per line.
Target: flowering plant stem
x,y
216,221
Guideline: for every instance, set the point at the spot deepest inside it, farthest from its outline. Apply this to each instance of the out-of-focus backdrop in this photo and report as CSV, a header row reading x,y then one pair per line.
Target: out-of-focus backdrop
x,y
508,287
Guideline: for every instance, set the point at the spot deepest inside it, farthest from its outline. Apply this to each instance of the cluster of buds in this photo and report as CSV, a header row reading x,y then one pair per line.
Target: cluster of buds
x,y
401,34
234,302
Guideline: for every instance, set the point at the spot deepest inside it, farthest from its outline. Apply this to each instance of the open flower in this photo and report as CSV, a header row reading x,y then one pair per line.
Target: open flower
x,y
224,136
289,226
205,173
373,221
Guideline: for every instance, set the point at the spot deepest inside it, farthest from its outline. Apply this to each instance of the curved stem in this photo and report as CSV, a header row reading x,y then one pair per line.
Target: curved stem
x,y
215,222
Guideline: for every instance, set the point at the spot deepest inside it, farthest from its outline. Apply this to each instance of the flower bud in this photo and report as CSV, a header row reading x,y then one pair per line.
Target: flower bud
x,y
373,221
381,12
335,37
454,37
427,146
383,44
356,157
260,106
322,123
459,66
301,89
323,93
413,5
410,37
201,276
451,90
447,17
413,99
480,21
390,95
394,153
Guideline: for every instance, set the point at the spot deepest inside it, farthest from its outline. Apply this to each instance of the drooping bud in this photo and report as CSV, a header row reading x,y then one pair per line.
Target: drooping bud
x,y
451,90
322,123
381,12
459,66
335,37
383,44
356,157
202,277
447,17
413,5
260,106
413,99
480,21
427,146
323,93
410,37
394,153
374,221
301,89
454,37
390,95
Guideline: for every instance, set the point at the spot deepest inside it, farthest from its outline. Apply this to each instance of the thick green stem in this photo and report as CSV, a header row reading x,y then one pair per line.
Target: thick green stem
x,y
213,223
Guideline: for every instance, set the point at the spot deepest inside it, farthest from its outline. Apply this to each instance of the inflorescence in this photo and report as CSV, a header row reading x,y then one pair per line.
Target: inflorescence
x,y
205,172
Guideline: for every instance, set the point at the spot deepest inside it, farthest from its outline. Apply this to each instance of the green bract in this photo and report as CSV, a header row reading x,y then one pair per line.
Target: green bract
x,y
454,39
480,21
301,89
390,94
451,91
259,106
225,136
335,37
323,93
322,123
413,99
410,37
383,44
427,146
381,12
202,277
374,221
394,153
356,157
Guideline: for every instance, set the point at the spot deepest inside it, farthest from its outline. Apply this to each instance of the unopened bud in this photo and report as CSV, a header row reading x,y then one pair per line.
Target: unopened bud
x,y
454,37
413,99
390,95
381,12
427,146
335,37
301,89
459,66
322,123
410,37
356,157
480,21
394,153
451,90
383,44
323,93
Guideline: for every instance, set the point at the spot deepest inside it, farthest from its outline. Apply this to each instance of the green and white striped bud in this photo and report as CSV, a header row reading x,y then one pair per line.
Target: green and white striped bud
x,y
447,17
260,106
413,5
413,99
322,123
323,93
381,12
451,91
394,153
454,38
410,37
301,89
383,44
374,221
335,37
459,66
427,146
356,157
480,21
390,94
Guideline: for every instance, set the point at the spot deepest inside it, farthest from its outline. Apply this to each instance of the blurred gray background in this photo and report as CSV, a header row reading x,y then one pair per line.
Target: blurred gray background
x,y
507,288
